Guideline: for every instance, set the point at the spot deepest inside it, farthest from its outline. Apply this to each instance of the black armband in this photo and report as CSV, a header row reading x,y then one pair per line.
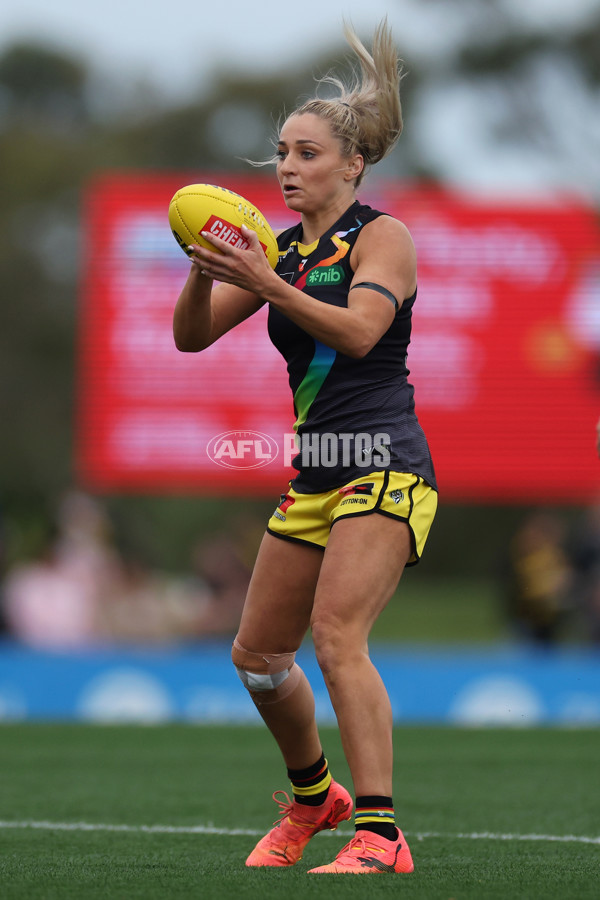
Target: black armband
x,y
380,290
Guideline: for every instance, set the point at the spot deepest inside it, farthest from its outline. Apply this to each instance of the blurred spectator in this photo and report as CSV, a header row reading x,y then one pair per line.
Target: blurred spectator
x,y
81,589
3,625
584,553
55,600
153,607
224,563
538,579
46,607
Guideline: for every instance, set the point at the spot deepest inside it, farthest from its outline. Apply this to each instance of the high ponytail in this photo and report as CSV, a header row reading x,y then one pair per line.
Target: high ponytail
x,y
366,116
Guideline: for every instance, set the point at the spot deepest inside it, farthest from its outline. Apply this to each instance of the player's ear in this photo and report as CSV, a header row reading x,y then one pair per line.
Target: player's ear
x,y
355,166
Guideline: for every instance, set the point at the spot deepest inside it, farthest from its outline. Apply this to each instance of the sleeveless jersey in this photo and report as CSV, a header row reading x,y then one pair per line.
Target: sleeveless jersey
x,y
337,398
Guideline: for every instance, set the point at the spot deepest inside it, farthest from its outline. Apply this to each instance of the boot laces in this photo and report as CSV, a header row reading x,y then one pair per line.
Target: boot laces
x,y
355,847
285,806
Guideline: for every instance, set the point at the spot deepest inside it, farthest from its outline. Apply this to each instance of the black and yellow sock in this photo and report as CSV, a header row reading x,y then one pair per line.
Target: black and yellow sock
x,y
310,785
372,813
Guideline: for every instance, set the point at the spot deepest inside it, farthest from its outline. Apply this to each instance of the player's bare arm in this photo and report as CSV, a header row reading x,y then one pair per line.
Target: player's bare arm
x,y
384,256
203,312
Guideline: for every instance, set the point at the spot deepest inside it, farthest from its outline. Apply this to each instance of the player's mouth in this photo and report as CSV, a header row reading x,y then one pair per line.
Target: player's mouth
x,y
290,189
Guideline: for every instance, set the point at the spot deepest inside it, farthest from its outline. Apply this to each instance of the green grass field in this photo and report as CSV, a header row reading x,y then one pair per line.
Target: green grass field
x,y
134,812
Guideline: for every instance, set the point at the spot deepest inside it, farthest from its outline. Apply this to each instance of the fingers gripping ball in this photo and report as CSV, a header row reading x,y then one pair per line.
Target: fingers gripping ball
x,y
207,207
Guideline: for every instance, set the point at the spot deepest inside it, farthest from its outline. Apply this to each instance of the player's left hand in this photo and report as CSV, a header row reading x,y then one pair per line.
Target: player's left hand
x,y
248,268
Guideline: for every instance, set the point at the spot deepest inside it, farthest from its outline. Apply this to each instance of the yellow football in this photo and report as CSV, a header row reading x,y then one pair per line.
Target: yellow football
x,y
207,207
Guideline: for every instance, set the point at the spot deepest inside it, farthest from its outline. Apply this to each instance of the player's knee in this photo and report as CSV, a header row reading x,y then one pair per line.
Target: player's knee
x,y
269,677
334,649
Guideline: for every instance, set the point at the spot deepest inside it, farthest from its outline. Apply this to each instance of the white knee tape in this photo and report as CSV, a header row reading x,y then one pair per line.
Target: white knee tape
x,y
269,677
255,682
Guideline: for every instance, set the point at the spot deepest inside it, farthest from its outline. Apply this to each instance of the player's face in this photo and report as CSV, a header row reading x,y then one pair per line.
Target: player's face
x,y
311,170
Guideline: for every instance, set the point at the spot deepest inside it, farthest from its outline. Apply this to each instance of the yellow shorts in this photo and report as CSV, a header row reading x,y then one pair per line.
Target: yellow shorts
x,y
307,518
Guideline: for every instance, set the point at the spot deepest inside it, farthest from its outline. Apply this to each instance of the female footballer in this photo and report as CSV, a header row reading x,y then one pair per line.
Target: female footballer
x,y
340,303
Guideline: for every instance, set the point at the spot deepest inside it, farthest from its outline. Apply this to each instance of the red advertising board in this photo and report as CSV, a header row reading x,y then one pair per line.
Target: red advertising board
x,y
505,355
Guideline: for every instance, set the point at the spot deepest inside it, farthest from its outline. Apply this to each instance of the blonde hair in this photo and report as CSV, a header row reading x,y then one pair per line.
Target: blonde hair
x,y
366,116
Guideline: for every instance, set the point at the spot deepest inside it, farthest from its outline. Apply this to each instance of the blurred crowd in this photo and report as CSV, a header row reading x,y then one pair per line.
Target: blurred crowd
x,y
81,589
551,579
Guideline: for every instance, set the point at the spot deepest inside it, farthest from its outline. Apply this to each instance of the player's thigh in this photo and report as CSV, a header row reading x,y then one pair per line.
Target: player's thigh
x,y
280,596
362,565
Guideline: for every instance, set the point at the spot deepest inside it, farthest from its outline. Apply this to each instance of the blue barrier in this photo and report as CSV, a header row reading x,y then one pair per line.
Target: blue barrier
x,y
464,686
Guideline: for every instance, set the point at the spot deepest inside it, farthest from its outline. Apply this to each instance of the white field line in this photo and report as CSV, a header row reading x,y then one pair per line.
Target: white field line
x,y
233,832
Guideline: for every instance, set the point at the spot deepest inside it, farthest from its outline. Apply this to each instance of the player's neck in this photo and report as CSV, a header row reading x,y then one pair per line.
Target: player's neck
x,y
314,225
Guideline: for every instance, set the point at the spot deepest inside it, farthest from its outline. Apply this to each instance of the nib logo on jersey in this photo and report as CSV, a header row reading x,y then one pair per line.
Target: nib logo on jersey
x,y
242,449
325,275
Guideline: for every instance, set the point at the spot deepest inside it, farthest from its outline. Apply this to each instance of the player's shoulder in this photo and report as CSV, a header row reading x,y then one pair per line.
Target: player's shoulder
x,y
387,226
385,230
